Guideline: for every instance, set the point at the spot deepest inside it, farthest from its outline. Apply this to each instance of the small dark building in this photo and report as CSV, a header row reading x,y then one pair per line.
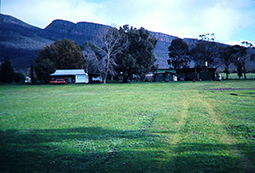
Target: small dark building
x,y
187,74
164,75
196,74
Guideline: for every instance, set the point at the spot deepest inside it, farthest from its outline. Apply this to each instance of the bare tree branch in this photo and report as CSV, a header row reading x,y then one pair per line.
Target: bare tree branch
x,y
103,59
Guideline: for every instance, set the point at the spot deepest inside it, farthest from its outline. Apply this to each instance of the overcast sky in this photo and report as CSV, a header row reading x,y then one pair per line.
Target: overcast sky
x,y
231,20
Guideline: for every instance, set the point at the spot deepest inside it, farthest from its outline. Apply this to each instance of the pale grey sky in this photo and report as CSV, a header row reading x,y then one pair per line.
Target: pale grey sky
x,y
231,20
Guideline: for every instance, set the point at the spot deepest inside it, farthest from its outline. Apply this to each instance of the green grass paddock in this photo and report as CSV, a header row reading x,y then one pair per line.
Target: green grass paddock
x,y
136,127
235,76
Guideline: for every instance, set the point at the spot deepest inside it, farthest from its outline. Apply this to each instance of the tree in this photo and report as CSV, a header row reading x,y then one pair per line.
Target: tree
x,y
19,77
62,54
207,37
227,57
247,44
126,62
103,59
178,54
246,56
7,74
243,54
204,52
143,50
126,65
32,76
252,57
94,59
241,58
43,69
139,57
239,69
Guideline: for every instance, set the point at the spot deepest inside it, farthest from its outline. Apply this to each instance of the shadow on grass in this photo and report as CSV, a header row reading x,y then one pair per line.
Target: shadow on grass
x,y
99,150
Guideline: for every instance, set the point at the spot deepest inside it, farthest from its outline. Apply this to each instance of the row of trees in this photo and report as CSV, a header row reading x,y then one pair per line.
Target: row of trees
x,y
126,51
207,51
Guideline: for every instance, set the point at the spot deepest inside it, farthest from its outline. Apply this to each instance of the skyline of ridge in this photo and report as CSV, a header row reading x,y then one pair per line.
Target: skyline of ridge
x,y
231,20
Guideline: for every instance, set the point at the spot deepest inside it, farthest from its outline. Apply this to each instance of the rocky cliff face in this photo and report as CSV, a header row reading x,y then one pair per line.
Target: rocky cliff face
x,y
79,32
59,27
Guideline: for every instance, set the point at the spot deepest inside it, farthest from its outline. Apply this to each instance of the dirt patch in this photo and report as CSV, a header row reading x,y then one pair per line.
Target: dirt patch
x,y
224,89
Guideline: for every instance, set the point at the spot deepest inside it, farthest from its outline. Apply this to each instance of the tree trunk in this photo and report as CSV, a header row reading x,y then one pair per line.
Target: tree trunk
x,y
227,72
244,71
32,74
125,79
107,67
105,77
243,68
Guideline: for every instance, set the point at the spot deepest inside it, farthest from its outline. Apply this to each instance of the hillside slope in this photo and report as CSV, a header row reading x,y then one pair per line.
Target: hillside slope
x,y
21,42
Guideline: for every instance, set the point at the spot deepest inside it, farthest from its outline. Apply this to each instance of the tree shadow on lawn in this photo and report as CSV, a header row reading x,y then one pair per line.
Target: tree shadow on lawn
x,y
67,150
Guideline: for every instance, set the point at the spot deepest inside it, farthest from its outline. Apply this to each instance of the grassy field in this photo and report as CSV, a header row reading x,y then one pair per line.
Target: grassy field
x,y
235,76
137,127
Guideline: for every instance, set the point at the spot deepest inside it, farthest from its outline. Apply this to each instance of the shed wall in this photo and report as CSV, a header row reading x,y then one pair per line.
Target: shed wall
x,y
81,78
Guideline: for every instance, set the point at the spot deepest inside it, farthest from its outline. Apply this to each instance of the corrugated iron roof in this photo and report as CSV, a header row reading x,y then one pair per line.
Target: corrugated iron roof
x,y
68,72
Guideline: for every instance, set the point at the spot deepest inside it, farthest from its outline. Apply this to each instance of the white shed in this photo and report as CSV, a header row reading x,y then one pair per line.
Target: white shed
x,y
71,75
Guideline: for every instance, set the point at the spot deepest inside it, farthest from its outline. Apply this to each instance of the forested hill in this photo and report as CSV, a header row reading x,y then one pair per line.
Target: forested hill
x,y
21,41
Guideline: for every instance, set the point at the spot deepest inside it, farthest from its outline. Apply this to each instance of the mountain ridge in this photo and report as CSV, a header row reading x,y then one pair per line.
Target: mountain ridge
x,y
21,42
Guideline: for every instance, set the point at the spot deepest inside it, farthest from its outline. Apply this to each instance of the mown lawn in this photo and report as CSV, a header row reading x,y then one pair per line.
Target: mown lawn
x,y
137,127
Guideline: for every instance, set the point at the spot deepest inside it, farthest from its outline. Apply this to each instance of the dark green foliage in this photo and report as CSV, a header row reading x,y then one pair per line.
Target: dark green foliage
x,y
63,54
7,74
204,51
207,37
252,57
43,69
139,56
32,76
60,55
244,55
241,58
19,78
126,63
179,54
127,51
239,69
126,66
46,53
227,57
